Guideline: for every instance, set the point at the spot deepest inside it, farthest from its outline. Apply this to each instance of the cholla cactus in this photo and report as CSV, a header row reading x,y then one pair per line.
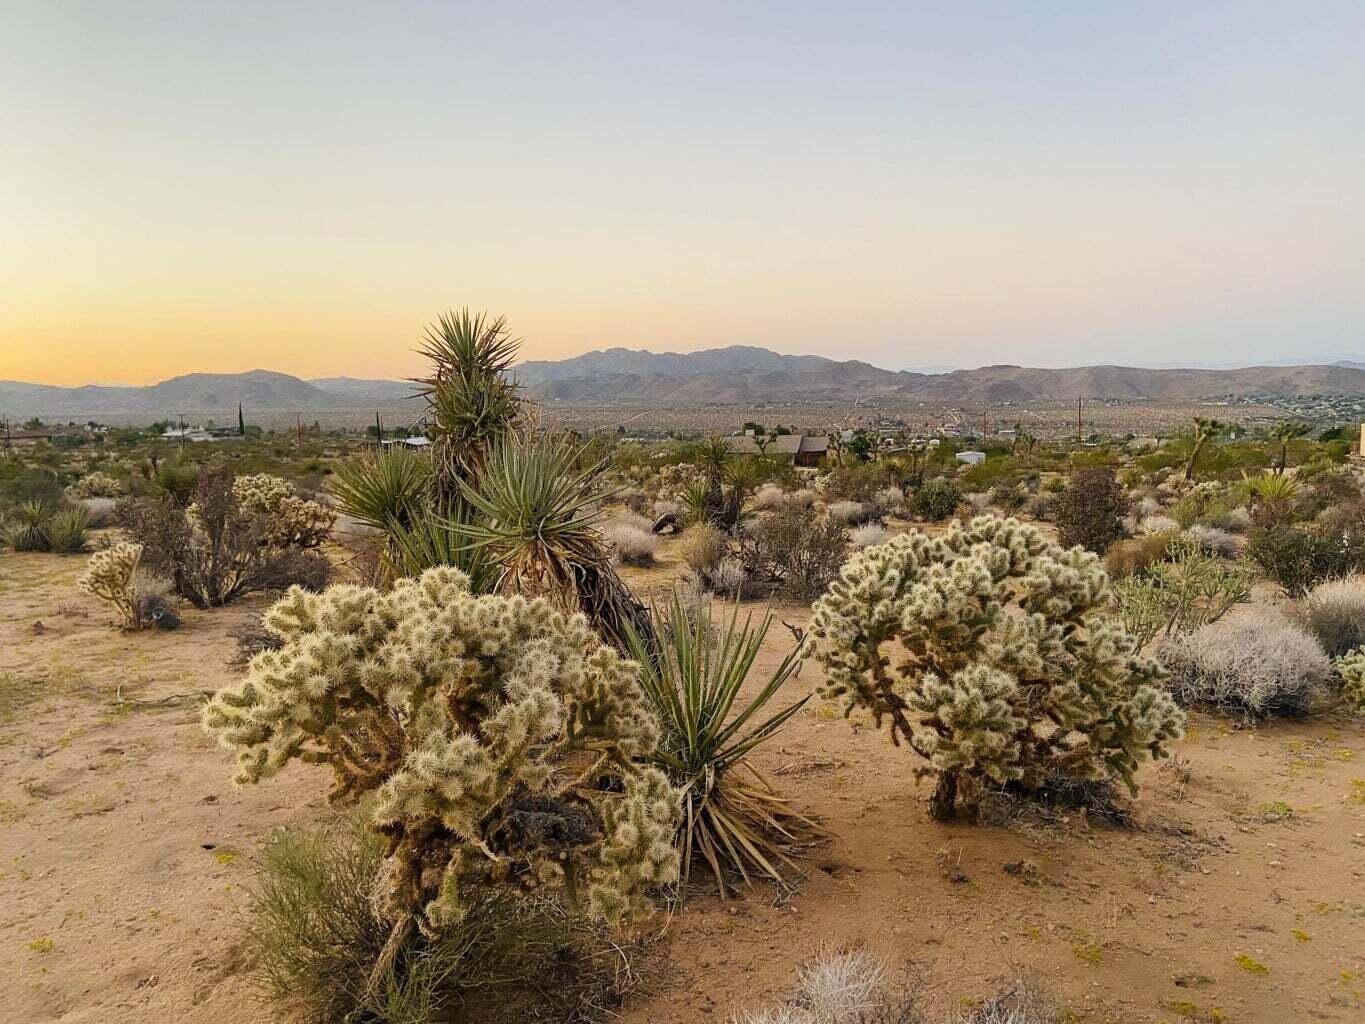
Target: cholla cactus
x,y
288,521
1351,668
96,485
499,737
1014,670
109,576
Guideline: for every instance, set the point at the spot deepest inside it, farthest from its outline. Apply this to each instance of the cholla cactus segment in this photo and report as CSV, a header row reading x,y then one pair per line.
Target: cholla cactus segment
x,y
499,737
287,521
1351,668
109,576
1014,667
96,485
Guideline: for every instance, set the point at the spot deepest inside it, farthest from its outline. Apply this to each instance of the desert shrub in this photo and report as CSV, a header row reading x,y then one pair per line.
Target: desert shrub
x,y
1298,557
1252,665
1040,505
802,497
217,554
701,548
26,525
935,500
768,496
850,513
867,535
1336,486
1334,612
1184,592
100,511
1137,554
799,549
1157,524
630,543
177,481
734,821
1090,511
1214,541
662,508
288,520
1016,669
109,577
315,932
498,739
96,485
888,500
728,577
859,483
1008,497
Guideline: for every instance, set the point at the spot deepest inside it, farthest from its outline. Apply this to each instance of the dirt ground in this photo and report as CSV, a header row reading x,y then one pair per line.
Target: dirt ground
x,y
1238,894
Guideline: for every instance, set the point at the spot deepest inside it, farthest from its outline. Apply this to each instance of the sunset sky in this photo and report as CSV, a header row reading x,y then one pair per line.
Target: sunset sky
x,y
300,186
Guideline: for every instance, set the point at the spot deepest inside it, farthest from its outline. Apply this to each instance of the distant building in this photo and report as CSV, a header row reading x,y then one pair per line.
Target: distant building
x,y
971,458
407,442
802,449
195,434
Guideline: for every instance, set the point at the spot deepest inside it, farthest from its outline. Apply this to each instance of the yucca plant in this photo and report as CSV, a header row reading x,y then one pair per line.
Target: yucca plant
x,y
428,540
733,818
387,487
534,513
27,530
472,401
66,531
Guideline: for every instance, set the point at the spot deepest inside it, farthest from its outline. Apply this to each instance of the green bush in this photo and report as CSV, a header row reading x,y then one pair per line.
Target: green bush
x,y
935,500
1090,512
1298,558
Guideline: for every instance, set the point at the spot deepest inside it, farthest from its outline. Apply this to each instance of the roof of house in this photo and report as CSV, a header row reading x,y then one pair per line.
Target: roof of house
x,y
783,444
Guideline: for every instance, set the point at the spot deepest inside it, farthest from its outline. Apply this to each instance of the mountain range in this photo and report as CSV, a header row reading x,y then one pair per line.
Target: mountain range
x,y
738,375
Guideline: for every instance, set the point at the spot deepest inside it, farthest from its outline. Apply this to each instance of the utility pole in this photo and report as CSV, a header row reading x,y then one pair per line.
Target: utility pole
x,y
983,424
181,420
1078,420
378,431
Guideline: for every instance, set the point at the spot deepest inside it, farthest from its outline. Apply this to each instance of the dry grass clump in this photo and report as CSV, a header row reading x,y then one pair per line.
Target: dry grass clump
x,y
1334,612
1136,554
631,539
701,548
311,922
1255,664
852,986
768,496
851,512
866,535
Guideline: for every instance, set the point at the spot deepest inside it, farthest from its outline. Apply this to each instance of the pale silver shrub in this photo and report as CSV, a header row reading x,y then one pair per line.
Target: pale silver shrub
x,y
1214,541
867,535
633,519
1239,519
1148,506
727,578
1255,663
1157,524
768,496
851,512
665,507
1334,612
889,499
100,510
629,543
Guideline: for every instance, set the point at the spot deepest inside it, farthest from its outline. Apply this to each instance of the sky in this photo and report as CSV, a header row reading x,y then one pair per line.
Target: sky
x,y
302,186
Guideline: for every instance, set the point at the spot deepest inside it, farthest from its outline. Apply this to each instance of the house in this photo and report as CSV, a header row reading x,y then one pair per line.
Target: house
x,y
195,434
417,442
802,449
971,458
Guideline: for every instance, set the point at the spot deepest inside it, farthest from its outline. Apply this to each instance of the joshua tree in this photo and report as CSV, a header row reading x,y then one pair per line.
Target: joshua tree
x,y
1285,431
1205,430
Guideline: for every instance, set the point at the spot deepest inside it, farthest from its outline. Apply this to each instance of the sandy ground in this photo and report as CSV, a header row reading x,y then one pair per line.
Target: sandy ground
x,y
1238,895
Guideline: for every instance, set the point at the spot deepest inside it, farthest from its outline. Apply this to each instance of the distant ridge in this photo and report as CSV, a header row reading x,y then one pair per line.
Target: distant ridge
x,y
736,375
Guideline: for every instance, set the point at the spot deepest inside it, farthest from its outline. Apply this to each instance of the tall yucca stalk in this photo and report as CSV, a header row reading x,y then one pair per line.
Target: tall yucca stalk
x,y
691,674
472,402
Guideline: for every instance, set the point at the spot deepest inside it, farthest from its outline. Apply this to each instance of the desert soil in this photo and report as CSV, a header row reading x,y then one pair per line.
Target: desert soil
x,y
1237,893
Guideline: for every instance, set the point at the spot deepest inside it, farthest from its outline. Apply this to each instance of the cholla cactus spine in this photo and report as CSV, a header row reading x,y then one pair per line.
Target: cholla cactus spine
x,y
1015,668
499,736
109,576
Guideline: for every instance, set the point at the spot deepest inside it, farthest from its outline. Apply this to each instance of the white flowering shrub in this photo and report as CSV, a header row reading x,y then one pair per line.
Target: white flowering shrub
x,y
498,739
994,655
109,576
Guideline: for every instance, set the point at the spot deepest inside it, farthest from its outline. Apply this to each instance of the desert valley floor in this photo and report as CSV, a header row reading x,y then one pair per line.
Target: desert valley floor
x,y
1237,894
